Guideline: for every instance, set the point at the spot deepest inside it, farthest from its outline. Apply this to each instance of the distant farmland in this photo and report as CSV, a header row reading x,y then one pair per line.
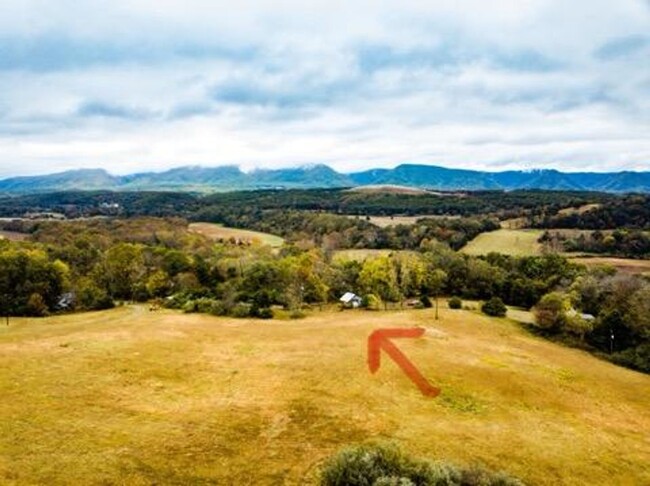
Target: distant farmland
x,y
13,235
385,221
516,242
218,232
623,265
362,254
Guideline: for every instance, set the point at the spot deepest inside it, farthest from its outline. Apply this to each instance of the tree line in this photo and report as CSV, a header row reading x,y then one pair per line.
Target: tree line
x,y
503,204
630,211
620,242
102,262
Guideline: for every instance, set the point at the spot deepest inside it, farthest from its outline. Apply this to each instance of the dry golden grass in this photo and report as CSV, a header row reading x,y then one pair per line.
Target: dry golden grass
x,y
518,242
385,221
624,265
13,235
129,396
219,232
362,254
581,210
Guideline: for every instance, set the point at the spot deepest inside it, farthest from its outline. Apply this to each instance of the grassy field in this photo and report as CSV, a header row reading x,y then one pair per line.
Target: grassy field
x,y
128,396
13,235
219,232
623,265
385,221
581,210
362,254
519,242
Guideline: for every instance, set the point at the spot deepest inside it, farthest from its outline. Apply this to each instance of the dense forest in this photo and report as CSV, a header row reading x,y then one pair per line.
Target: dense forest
x,y
352,202
629,211
96,263
620,242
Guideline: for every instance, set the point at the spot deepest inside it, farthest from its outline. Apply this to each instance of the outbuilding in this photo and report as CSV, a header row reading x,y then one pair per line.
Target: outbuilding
x,y
350,299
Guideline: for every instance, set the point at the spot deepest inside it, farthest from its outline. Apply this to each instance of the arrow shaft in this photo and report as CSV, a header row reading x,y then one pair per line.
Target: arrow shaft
x,y
381,339
409,369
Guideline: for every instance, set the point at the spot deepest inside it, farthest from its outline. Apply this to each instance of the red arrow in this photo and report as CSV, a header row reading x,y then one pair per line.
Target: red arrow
x,y
381,339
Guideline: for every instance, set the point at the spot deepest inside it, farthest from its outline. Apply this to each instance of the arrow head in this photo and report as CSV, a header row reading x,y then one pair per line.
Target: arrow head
x,y
381,339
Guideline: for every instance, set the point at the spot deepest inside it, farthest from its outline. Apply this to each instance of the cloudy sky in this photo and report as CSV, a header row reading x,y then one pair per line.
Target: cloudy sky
x,y
134,85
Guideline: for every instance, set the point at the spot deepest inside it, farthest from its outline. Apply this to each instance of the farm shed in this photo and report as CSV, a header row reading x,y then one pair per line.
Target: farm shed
x,y
350,299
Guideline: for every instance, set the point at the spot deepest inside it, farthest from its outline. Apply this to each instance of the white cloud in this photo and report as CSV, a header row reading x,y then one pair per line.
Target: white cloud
x,y
142,85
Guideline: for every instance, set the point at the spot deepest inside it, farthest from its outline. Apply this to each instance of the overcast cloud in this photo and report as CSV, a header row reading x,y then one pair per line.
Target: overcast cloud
x,y
135,85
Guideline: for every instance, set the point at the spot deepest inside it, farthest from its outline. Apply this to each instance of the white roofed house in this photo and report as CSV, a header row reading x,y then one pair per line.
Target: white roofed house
x,y
350,299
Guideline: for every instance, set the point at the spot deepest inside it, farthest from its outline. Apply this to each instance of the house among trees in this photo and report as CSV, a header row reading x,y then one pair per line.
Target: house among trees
x,y
586,317
350,299
65,302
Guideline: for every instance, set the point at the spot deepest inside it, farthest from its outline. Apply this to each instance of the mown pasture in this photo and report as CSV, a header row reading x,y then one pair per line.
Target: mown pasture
x,y
218,232
129,396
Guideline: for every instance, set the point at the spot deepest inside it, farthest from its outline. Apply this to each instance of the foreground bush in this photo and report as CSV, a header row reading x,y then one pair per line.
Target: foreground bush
x,y
388,466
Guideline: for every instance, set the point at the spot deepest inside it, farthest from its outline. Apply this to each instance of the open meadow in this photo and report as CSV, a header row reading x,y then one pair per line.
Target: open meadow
x,y
128,396
516,242
624,265
219,232
386,221
360,254
13,235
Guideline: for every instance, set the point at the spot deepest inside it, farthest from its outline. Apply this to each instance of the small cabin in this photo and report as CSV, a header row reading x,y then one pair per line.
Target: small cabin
x,y
65,302
350,299
583,316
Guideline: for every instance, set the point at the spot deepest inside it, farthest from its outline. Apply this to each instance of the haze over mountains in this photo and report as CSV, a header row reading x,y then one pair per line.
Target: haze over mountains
x,y
227,178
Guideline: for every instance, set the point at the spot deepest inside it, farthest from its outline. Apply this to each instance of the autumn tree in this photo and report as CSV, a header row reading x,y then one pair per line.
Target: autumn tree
x,y
121,270
379,276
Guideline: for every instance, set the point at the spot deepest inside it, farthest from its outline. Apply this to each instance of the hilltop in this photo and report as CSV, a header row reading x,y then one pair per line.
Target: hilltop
x,y
139,397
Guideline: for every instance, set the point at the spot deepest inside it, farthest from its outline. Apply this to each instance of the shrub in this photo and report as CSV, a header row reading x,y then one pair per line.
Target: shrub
x,y
204,305
217,308
455,303
189,306
426,302
176,301
388,466
36,305
265,313
241,310
371,302
636,358
297,314
494,307
261,312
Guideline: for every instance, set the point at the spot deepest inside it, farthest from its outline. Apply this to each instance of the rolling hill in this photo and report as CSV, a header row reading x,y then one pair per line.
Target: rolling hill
x,y
227,178
128,396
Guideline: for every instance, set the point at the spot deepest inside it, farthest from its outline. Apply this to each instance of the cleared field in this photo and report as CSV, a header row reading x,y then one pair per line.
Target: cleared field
x,y
390,189
362,254
581,210
13,235
219,232
385,221
623,265
522,242
129,396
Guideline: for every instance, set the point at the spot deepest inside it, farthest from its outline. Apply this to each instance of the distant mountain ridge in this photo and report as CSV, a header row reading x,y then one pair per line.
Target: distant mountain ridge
x,y
228,178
